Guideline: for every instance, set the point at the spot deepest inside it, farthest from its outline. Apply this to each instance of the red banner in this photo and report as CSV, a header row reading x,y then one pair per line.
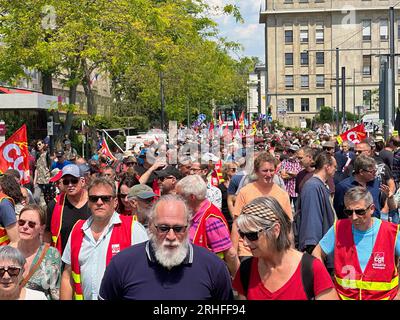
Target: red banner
x,y
355,135
14,154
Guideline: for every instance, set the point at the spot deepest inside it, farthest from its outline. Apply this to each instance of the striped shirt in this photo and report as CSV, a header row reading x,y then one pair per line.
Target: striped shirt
x,y
218,237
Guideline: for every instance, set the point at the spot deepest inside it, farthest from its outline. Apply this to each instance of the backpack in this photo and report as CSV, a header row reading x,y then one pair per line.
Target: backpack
x,y
307,274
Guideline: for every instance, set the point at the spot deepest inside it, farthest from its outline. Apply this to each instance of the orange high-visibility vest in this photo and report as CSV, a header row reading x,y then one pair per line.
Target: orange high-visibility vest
x,y
380,279
121,238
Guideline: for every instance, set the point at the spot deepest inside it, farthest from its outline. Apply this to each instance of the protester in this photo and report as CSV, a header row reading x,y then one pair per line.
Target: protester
x,y
141,197
167,179
92,243
42,171
275,271
142,271
127,182
43,263
12,264
228,171
366,251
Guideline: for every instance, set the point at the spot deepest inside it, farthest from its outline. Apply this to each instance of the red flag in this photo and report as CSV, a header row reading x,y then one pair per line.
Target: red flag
x,y
220,121
355,135
106,151
14,154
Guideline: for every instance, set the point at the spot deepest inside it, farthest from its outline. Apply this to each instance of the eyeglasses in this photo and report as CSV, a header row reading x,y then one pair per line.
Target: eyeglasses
x,y
373,171
232,169
360,151
22,222
164,229
66,182
358,212
11,270
253,236
104,199
122,195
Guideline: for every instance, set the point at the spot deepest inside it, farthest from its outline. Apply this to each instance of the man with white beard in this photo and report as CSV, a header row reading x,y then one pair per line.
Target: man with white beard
x,y
168,266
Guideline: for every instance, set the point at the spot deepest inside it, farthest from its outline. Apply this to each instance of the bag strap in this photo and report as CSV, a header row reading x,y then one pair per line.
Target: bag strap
x,y
244,270
37,264
307,275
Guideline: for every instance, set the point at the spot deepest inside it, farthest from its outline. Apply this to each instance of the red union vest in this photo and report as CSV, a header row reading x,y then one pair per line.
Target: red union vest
x,y
120,239
4,239
380,279
56,219
200,236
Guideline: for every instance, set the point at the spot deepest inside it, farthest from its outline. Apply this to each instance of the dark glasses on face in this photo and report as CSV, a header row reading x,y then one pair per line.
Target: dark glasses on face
x,y
12,271
103,198
252,236
358,212
66,182
130,163
165,178
22,222
122,195
163,229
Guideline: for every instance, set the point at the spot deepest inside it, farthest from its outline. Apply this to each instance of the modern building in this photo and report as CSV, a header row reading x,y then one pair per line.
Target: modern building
x,y
300,41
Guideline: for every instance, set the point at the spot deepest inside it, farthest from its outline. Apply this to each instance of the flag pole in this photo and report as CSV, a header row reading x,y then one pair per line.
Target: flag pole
x,y
112,140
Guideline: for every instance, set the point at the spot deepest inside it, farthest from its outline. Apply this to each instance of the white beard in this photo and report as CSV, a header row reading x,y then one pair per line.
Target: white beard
x,y
166,257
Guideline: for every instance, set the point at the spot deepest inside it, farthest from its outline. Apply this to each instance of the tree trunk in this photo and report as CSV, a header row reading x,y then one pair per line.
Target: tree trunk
x,y
89,95
72,94
47,82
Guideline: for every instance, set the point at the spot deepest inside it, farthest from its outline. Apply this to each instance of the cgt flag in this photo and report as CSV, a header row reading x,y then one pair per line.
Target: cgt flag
x,y
355,135
106,151
14,154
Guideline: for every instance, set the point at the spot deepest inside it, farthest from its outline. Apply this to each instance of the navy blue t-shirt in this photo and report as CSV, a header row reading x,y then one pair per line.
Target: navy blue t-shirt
x,y
134,274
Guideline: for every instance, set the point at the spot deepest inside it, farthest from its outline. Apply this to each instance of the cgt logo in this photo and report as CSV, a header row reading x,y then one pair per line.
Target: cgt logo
x,y
379,260
12,153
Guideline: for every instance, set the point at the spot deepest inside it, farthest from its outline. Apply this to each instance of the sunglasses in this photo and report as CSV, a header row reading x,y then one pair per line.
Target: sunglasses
x,y
104,199
12,271
164,178
66,182
130,163
122,195
22,222
163,229
254,235
358,212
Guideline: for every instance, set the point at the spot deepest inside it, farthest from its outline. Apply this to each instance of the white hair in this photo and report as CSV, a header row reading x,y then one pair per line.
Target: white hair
x,y
192,185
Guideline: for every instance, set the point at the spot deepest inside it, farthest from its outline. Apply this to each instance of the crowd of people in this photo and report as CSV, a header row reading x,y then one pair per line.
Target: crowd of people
x,y
289,216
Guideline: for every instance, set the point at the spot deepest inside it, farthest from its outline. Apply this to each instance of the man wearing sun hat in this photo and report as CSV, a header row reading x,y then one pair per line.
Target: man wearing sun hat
x,y
69,207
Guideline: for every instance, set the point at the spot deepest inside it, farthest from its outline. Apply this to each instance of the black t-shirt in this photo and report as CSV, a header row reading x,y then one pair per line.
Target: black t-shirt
x,y
387,157
70,216
224,208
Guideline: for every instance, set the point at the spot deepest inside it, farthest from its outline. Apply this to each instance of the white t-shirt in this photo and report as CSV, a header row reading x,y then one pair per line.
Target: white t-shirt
x,y
34,295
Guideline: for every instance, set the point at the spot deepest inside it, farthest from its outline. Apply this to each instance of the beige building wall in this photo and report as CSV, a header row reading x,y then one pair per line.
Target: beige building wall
x,y
341,23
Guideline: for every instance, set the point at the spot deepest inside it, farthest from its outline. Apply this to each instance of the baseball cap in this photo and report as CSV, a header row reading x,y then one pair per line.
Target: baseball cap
x,y
71,169
141,191
67,142
84,169
328,144
294,147
169,171
59,153
55,175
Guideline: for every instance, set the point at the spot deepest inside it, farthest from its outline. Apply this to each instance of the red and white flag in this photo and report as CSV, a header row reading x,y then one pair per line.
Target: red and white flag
x,y
105,150
14,154
355,135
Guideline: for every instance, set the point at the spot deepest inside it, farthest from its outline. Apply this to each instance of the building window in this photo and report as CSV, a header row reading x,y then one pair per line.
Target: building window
x,y
288,59
319,33
303,1
383,30
320,103
288,1
320,58
305,105
320,81
290,105
366,30
304,81
304,58
304,35
367,99
366,65
398,29
289,82
288,36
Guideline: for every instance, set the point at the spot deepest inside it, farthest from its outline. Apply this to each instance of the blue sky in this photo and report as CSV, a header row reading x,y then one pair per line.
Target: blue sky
x,y
250,33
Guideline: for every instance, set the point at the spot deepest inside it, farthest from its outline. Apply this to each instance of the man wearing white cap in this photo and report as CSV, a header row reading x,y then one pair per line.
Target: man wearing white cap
x,y
70,206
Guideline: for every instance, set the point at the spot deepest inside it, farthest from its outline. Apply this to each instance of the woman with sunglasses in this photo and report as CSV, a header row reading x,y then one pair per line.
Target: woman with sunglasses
x,y
12,267
276,271
229,169
127,182
43,263
365,251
